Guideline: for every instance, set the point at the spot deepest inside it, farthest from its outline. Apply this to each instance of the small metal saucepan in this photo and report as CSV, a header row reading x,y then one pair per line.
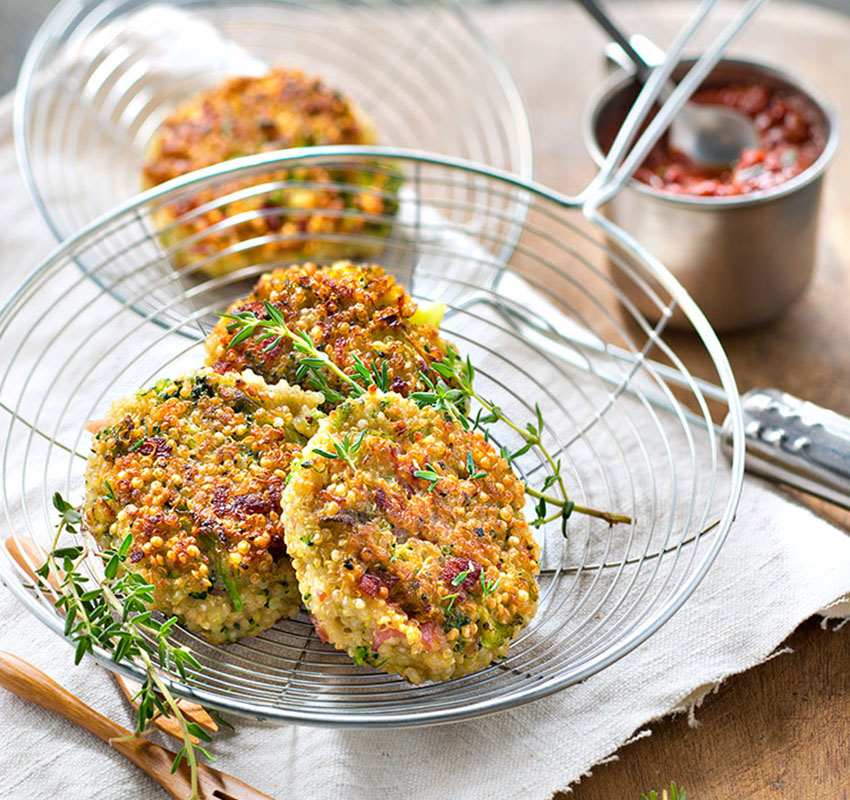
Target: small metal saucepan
x,y
745,258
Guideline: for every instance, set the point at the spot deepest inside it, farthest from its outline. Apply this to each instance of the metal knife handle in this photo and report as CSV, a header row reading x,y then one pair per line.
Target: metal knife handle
x,y
797,443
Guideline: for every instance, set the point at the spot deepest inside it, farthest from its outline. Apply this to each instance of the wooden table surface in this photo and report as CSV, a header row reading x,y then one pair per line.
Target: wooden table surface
x,y
779,730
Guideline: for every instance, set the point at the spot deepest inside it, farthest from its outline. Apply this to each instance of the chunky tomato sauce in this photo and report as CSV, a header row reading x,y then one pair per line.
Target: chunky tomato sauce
x,y
790,140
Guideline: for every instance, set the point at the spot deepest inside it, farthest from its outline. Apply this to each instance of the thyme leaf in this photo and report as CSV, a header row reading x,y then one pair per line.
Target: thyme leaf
x,y
428,474
470,468
460,577
488,587
676,793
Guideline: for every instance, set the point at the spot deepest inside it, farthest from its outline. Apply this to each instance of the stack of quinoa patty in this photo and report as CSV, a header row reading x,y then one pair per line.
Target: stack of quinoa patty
x,y
402,534
245,494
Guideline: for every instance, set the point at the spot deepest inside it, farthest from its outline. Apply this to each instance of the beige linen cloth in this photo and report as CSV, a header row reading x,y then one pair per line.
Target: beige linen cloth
x,y
780,565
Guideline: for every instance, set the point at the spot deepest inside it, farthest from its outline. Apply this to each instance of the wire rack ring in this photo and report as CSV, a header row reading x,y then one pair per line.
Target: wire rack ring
x,y
546,315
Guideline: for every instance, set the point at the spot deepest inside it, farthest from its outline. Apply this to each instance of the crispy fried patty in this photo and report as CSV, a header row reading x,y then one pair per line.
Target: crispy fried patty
x,y
429,575
348,310
304,217
194,469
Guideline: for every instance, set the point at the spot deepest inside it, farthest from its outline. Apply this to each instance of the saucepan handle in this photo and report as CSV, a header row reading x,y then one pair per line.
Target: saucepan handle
x,y
797,443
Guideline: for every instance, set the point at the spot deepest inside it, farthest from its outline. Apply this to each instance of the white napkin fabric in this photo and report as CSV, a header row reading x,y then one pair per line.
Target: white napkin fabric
x,y
780,565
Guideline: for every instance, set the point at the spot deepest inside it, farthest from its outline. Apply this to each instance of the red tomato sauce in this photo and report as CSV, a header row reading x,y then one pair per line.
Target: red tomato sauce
x,y
790,140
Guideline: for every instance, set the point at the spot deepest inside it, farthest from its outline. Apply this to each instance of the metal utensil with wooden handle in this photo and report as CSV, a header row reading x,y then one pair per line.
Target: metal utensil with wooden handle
x,y
26,681
28,556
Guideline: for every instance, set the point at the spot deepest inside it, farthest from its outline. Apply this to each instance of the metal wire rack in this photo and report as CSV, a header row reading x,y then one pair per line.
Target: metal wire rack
x,y
556,326
100,77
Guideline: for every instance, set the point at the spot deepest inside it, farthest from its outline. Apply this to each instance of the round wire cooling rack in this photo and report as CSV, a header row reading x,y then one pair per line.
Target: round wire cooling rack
x,y
101,76
557,327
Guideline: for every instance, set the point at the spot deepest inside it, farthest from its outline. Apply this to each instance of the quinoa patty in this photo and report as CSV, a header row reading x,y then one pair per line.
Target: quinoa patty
x,y
250,115
194,469
348,310
429,576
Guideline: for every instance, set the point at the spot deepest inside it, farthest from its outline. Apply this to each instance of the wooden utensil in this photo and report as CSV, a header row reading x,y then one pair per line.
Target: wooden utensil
x,y
25,552
23,679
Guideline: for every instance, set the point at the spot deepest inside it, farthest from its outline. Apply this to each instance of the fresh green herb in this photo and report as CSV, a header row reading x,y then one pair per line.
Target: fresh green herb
x,y
451,393
460,577
141,441
470,468
246,325
451,598
346,450
216,715
488,587
109,493
372,375
428,474
115,616
451,401
69,516
675,794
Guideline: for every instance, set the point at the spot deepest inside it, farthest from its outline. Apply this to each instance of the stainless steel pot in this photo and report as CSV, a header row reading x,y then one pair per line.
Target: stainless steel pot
x,y
744,259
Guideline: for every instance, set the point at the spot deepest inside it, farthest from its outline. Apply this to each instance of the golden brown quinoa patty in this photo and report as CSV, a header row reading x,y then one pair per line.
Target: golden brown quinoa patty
x,y
250,115
430,579
347,310
194,469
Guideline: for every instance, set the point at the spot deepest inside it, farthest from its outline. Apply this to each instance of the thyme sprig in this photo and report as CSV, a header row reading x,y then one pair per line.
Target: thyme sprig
x,y
246,325
374,375
452,393
114,615
451,598
346,450
489,587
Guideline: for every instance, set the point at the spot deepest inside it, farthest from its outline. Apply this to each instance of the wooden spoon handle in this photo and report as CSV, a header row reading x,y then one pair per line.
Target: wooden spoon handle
x,y
30,683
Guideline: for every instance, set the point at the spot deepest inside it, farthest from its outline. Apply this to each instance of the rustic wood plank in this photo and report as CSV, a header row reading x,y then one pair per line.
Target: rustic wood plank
x,y
777,731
